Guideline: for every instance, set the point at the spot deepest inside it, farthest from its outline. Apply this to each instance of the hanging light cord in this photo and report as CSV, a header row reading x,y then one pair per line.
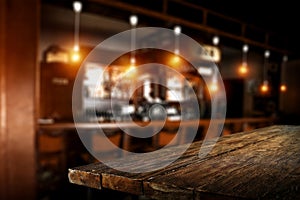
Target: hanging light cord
x,y
77,6
76,29
283,65
267,55
133,20
177,32
133,44
245,58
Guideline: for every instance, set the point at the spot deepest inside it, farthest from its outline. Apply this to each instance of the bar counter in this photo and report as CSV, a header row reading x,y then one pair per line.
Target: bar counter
x,y
202,122
235,124
259,164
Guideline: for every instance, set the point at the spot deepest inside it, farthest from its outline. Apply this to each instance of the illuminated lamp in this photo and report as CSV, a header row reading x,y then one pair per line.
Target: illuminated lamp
x,y
264,88
243,69
77,7
283,87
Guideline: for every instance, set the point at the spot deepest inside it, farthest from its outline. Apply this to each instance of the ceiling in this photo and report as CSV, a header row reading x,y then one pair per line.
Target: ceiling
x,y
262,25
278,17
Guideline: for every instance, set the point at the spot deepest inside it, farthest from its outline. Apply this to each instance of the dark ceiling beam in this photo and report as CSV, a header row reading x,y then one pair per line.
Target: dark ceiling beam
x,y
197,7
211,12
202,27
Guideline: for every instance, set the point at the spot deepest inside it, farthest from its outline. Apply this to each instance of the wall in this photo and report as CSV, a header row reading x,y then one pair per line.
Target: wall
x,y
289,101
231,60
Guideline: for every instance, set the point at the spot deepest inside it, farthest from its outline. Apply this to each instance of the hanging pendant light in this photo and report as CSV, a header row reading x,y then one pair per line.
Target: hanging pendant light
x,y
177,32
243,69
133,20
213,87
216,40
265,86
283,86
77,7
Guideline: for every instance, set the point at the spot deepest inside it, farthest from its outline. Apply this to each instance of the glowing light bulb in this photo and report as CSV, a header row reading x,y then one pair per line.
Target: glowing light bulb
x,y
216,40
75,57
176,59
283,88
131,71
132,68
264,87
133,19
177,30
77,6
245,48
243,69
214,87
267,54
132,61
76,48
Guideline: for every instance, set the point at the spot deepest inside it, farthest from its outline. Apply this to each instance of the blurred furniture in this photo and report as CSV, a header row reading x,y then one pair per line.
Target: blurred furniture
x,y
57,80
259,164
170,128
57,150
59,146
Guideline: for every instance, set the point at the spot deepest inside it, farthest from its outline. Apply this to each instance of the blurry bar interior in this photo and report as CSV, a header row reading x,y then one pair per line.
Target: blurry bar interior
x,y
44,42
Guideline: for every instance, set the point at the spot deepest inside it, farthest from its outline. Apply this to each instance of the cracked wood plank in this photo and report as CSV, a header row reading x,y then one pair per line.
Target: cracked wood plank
x,y
262,163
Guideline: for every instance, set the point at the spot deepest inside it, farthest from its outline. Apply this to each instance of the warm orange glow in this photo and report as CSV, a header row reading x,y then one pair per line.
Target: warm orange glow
x,y
283,88
75,56
264,88
175,59
76,48
132,61
132,68
243,69
131,71
214,87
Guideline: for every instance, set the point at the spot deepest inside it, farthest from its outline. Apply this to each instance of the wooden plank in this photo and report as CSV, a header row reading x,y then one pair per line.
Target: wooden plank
x,y
288,187
254,173
106,177
86,176
258,164
3,134
122,183
219,168
157,190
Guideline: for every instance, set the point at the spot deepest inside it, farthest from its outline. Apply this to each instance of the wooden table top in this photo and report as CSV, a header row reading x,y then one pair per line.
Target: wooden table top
x,y
259,164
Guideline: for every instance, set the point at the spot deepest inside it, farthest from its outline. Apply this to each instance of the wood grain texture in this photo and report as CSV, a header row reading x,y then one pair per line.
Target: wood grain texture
x,y
260,164
19,44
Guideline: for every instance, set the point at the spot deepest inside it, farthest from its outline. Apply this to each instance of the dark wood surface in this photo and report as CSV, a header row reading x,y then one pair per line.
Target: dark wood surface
x,y
20,30
260,164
